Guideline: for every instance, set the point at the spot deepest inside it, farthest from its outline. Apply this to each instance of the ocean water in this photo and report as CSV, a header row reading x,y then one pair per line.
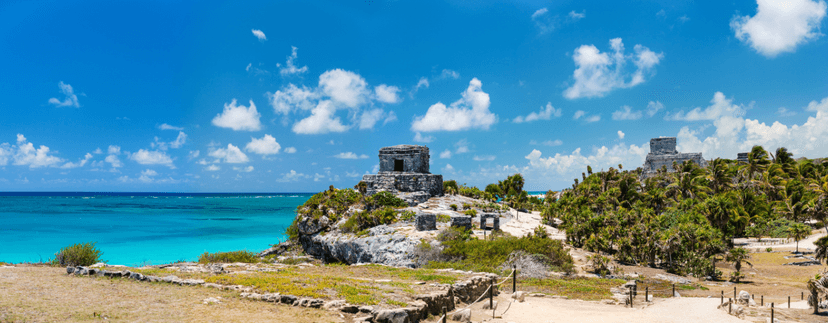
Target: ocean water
x,y
142,228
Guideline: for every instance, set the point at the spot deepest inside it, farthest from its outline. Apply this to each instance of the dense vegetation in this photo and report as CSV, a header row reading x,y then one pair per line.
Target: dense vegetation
x,y
228,257
684,220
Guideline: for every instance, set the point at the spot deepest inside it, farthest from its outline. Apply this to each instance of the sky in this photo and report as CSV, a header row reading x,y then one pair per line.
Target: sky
x,y
294,96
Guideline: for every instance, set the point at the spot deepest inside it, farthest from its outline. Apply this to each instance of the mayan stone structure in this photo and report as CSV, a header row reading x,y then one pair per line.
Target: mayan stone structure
x,y
404,171
742,157
663,153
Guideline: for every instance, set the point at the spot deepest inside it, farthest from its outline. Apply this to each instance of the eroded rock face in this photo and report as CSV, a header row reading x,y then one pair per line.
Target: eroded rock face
x,y
309,225
382,246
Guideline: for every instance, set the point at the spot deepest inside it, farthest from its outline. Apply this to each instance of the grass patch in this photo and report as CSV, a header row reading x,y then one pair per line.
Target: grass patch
x,y
228,257
81,254
396,303
576,288
356,295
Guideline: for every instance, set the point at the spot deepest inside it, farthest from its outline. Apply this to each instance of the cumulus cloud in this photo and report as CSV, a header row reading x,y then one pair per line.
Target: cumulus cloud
x,y
449,74
720,106
599,73
80,163
244,169
462,146
484,158
290,68
259,34
570,165
575,16
152,157
344,87
582,115
780,26
238,117
231,154
784,112
292,96
165,126
70,100
626,113
322,120
734,133
292,176
471,111
350,155
267,145
112,157
212,168
448,169
177,143
290,150
654,107
387,94
423,82
543,21
370,117
621,135
446,154
25,154
545,113
193,154
420,138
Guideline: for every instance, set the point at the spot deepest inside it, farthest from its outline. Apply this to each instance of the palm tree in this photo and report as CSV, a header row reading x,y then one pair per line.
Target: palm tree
x,y
757,162
821,253
817,285
737,256
719,175
798,231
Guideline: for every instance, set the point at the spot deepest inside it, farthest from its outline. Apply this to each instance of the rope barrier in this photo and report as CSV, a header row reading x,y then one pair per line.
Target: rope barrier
x,y
507,278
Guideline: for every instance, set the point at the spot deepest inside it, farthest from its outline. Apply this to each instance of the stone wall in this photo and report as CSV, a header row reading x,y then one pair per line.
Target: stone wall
x,y
415,159
394,183
742,157
663,146
663,153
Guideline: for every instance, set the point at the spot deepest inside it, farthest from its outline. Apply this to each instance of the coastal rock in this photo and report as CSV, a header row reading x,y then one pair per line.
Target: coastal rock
x,y
309,225
288,299
489,305
70,270
391,316
382,247
520,296
744,298
351,309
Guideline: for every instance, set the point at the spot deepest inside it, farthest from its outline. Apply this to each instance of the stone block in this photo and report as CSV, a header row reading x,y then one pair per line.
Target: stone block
x,y
425,222
487,218
462,222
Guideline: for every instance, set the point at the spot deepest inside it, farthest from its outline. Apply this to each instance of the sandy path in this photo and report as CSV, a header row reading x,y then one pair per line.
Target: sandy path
x,y
672,310
804,244
521,224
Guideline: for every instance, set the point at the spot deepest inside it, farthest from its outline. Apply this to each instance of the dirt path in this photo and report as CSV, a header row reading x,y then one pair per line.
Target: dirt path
x,y
521,224
806,244
672,310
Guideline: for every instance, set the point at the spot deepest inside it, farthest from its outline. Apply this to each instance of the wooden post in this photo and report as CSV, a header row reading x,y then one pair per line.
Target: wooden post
x,y
491,297
729,305
771,313
444,314
789,302
631,297
647,294
674,290
763,300
802,297
722,301
734,292
514,279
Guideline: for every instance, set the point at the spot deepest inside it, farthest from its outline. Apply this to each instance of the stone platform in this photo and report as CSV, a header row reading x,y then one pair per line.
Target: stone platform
x,y
399,183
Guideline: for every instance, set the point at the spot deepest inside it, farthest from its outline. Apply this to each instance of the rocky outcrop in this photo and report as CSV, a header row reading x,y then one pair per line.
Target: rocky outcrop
x,y
381,246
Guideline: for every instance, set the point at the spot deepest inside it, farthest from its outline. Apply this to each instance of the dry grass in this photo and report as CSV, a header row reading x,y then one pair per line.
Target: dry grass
x,y
47,294
589,289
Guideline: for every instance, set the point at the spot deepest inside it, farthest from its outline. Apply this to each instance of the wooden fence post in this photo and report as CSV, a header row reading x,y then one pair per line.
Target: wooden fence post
x,y
722,301
491,297
514,279
789,302
444,314
729,305
647,294
674,290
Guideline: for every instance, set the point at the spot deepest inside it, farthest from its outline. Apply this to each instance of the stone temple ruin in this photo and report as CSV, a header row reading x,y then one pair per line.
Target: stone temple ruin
x,y
404,171
663,153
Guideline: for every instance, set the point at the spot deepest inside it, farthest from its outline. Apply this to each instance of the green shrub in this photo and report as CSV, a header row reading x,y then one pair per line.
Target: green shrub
x,y
228,257
488,255
384,199
292,231
769,249
407,216
466,206
365,220
81,254
470,212
453,207
443,218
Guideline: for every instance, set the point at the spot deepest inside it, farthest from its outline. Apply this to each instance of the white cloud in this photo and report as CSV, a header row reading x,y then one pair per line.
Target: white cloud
x,y
387,94
165,126
734,134
471,111
344,87
369,118
550,143
543,21
575,16
578,114
193,154
290,68
599,73
284,100
626,113
351,174
448,169
177,143
446,154
238,117
420,138
321,121
350,155
484,158
27,155
593,118
545,113
391,117
588,119
267,145
423,82
231,154
71,99
449,74
114,161
654,107
151,157
780,26
113,150
621,135
212,168
149,172
244,169
569,166
259,34
720,106
292,176
97,151
290,150
80,163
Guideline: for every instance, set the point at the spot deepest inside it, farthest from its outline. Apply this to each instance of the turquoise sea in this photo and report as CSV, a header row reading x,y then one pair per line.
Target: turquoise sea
x,y
142,228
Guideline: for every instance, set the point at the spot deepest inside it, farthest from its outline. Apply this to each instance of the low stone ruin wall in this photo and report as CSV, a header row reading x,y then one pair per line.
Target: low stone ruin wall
x,y
405,182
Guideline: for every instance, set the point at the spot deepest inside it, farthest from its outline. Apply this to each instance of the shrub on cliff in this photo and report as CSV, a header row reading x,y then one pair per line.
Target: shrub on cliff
x,y
369,219
383,199
81,254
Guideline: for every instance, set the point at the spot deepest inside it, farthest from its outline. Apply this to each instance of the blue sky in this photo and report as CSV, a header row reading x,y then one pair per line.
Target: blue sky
x,y
160,95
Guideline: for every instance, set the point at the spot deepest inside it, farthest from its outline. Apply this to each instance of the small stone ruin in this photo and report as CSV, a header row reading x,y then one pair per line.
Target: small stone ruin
x,y
663,153
462,222
484,221
742,157
425,221
404,171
